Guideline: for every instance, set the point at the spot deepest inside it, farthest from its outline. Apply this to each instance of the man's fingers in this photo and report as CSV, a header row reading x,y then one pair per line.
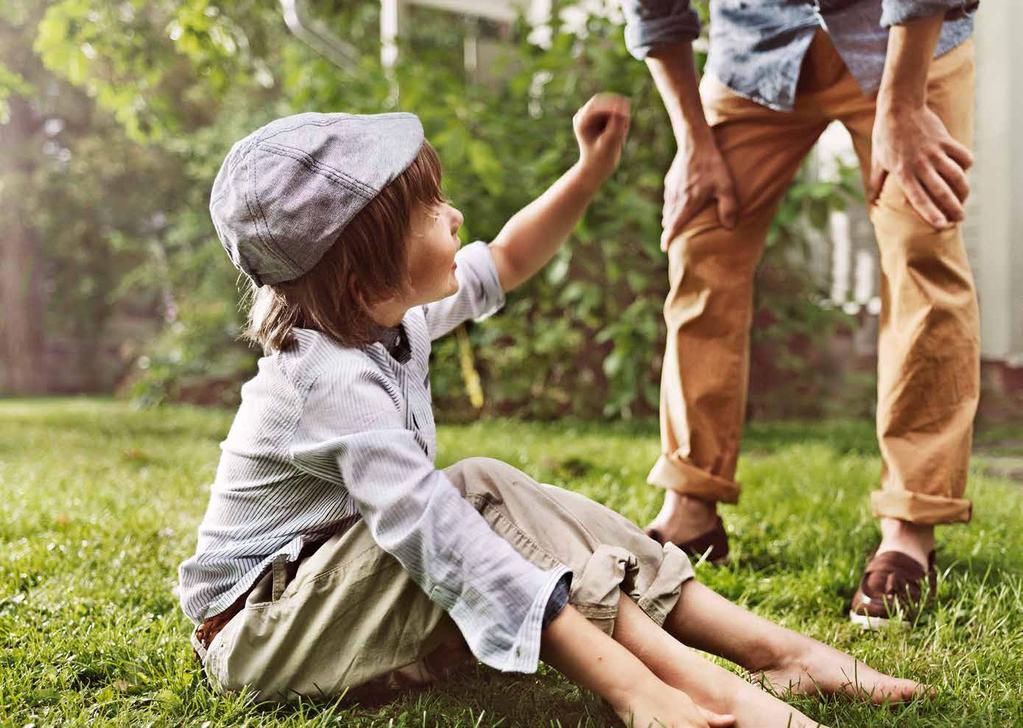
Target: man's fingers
x,y
676,216
958,152
681,215
954,176
941,194
671,228
728,208
921,202
878,175
693,205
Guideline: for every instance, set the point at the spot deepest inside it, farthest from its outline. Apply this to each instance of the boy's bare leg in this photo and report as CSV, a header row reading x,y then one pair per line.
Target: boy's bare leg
x,y
709,685
595,661
785,660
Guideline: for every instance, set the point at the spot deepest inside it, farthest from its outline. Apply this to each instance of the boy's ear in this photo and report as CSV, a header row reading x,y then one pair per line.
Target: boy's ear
x,y
356,293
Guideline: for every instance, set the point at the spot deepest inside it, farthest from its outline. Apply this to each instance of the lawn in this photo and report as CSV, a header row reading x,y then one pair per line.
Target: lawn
x,y
100,503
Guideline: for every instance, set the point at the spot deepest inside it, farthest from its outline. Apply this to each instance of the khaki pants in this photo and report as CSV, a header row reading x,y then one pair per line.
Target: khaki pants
x,y
928,349
353,619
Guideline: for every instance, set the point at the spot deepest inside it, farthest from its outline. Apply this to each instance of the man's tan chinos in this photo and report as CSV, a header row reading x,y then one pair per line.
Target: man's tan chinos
x,y
928,348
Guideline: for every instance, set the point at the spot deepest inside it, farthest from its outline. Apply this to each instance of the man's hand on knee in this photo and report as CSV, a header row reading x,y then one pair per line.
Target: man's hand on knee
x,y
698,176
930,166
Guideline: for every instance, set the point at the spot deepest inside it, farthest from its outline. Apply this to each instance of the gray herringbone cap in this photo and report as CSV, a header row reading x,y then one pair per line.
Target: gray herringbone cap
x,y
286,191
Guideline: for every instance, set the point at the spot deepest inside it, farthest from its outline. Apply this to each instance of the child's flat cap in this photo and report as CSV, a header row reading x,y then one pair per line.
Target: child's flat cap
x,y
286,191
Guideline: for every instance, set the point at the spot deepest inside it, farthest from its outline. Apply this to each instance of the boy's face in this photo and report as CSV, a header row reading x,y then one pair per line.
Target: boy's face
x,y
431,256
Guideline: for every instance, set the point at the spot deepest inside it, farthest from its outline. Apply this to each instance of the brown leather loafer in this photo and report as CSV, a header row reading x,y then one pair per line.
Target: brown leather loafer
x,y
893,590
713,543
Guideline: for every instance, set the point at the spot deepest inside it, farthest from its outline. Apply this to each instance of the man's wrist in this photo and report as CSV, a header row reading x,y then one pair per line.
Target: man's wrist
x,y
897,114
693,136
895,101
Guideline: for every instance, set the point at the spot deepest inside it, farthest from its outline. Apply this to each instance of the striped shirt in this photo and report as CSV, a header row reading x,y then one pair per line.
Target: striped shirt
x,y
326,435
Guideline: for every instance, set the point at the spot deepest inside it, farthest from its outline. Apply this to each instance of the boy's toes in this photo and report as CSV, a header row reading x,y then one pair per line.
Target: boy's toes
x,y
913,690
898,690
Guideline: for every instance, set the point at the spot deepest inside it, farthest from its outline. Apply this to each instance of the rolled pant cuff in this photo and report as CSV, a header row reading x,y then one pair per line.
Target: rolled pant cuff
x,y
673,473
597,588
919,508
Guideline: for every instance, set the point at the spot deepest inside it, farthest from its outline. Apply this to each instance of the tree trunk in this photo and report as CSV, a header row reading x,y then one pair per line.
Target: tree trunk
x,y
22,297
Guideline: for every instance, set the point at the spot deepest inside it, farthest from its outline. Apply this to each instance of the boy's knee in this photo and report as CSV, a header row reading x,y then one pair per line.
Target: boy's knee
x,y
472,473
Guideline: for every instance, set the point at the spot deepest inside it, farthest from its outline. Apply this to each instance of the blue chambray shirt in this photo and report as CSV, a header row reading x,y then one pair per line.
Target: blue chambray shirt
x,y
757,46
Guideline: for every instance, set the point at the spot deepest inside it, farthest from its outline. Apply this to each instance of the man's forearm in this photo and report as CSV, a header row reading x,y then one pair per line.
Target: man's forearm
x,y
910,141
674,71
910,50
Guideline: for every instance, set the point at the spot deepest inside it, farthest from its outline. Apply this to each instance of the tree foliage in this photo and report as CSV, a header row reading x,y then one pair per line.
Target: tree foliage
x,y
185,78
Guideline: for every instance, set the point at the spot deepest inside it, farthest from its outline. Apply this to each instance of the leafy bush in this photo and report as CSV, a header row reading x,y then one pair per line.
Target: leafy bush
x,y
584,337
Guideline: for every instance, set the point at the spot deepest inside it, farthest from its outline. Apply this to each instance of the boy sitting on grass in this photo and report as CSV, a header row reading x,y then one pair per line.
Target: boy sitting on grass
x,y
334,556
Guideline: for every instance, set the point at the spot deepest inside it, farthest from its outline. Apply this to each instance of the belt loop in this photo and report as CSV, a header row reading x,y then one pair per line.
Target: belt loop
x,y
280,577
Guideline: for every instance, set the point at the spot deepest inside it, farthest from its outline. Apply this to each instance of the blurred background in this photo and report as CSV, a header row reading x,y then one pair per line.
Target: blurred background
x,y
114,117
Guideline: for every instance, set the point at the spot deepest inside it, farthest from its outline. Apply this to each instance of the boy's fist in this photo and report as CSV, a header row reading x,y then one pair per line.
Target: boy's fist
x,y
601,126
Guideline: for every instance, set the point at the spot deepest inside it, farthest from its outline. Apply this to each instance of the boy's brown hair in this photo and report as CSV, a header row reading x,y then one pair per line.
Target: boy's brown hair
x,y
367,263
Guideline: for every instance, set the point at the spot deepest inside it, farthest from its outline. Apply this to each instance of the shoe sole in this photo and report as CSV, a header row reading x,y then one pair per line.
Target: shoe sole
x,y
867,622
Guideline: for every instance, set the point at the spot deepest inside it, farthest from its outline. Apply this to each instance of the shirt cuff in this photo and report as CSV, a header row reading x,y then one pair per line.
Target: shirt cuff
x,y
899,12
645,34
525,654
558,601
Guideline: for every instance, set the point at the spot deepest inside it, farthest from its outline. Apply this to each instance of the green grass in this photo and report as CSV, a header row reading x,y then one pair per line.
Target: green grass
x,y
99,503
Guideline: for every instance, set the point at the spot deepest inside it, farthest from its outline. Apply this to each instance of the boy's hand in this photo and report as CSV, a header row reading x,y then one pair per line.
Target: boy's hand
x,y
601,126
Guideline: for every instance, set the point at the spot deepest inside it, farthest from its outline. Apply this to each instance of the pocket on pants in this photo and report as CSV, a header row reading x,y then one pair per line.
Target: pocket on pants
x,y
216,655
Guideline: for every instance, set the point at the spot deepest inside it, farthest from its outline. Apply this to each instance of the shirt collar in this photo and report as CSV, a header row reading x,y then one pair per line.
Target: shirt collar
x,y
395,340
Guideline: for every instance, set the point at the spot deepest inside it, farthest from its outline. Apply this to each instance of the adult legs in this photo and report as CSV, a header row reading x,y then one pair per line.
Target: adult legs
x,y
928,345
708,311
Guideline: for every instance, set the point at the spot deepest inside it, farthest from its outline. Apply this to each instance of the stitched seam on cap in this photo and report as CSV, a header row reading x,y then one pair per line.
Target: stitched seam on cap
x,y
314,165
240,155
330,121
269,232
306,122
267,247
280,253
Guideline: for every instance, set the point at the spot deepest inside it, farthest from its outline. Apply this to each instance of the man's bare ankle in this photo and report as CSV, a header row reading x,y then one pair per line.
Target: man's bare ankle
x,y
914,540
687,508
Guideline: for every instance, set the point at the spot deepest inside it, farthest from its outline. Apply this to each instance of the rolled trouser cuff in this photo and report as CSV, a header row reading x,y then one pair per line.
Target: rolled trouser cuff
x,y
663,593
597,587
920,508
673,473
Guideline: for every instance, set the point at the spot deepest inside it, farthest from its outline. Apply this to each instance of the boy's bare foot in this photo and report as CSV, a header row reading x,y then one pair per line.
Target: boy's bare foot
x,y
816,669
664,706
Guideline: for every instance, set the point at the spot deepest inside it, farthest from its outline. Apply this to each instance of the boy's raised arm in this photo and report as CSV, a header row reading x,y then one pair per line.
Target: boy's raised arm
x,y
529,240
